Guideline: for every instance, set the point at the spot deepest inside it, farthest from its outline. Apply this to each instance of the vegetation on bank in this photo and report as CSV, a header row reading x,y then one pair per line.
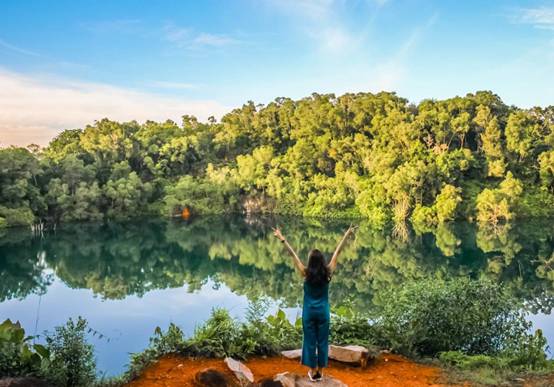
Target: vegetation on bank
x,y
466,324
375,156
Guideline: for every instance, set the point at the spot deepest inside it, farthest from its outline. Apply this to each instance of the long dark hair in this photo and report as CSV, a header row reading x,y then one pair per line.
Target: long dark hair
x,y
317,272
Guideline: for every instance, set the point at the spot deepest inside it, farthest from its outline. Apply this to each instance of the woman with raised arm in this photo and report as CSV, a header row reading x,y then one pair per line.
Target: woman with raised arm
x,y
315,310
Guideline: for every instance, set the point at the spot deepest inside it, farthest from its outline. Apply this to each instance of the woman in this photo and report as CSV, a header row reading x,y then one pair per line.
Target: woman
x,y
315,311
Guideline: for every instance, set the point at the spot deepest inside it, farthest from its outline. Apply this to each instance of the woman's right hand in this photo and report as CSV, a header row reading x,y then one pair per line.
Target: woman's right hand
x,y
278,234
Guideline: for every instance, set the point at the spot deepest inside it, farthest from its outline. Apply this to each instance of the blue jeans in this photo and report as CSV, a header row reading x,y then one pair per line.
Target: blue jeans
x,y
315,347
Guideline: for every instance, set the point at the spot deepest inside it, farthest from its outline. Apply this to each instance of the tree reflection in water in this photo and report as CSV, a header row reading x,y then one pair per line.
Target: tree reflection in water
x,y
115,260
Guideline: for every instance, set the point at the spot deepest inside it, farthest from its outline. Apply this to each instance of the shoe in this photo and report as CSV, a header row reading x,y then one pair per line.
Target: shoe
x,y
312,377
318,376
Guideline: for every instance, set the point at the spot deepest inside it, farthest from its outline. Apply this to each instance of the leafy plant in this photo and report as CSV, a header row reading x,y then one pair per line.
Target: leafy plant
x,y
17,356
72,358
431,316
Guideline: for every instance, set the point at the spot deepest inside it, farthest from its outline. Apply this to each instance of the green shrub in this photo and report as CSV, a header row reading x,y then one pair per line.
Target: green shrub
x,y
72,359
218,337
162,343
17,356
431,316
3,223
469,362
349,327
22,216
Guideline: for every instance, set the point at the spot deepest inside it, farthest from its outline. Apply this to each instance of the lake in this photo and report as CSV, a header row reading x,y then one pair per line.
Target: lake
x,y
127,278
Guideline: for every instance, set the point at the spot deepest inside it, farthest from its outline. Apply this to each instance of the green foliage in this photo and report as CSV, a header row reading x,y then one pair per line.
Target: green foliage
x,y
219,337
357,155
350,327
499,204
72,360
427,317
222,336
527,354
447,203
17,356
21,216
161,343
202,195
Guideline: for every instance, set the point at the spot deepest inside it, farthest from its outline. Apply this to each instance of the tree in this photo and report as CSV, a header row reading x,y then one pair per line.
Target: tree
x,y
447,203
496,205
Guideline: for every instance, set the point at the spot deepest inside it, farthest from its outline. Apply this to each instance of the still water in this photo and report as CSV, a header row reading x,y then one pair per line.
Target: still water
x,y
128,278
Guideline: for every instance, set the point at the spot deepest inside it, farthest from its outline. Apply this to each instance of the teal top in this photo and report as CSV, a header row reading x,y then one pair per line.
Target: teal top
x,y
316,297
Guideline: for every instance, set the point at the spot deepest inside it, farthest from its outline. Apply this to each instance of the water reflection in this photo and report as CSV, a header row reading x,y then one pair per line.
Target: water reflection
x,y
118,260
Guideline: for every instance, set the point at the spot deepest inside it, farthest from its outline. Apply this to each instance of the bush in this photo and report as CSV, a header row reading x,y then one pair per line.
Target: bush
x,y
431,316
22,216
222,336
348,327
172,341
17,357
528,355
72,359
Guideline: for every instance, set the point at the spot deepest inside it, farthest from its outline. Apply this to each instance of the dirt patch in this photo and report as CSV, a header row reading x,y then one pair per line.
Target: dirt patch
x,y
386,371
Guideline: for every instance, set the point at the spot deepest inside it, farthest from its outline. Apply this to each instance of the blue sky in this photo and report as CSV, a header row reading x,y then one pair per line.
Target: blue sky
x,y
64,64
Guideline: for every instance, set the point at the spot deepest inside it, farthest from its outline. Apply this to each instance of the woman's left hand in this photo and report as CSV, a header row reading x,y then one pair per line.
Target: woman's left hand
x,y
351,229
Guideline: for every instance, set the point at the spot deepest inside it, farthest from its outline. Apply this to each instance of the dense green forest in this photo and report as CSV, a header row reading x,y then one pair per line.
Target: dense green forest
x,y
374,156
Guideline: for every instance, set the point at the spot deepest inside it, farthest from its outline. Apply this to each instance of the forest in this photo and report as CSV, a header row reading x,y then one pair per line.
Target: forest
x,y
377,157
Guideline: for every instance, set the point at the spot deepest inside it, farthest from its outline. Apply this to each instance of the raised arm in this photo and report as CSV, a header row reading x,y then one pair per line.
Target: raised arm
x,y
333,262
297,262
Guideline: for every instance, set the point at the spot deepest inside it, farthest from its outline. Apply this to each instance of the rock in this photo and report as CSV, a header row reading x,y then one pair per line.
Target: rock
x,y
213,378
292,354
292,380
269,383
23,382
346,354
242,372
350,354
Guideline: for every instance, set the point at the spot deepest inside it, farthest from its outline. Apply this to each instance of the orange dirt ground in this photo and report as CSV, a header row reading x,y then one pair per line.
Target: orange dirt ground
x,y
387,371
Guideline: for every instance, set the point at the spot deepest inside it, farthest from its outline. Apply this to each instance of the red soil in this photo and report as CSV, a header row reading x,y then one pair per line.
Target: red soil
x,y
387,371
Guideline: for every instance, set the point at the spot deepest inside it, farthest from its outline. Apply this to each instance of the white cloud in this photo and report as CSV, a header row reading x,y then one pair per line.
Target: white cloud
x,y
541,17
390,73
19,50
321,21
313,9
188,39
37,108
173,85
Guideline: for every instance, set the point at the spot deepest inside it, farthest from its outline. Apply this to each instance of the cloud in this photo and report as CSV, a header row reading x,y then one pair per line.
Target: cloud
x,y
37,108
188,39
16,49
321,21
390,73
313,9
540,17
173,85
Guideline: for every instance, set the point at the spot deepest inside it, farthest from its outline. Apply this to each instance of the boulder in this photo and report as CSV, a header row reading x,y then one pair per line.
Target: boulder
x,y
288,379
267,382
213,378
242,372
350,354
292,354
353,354
25,381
